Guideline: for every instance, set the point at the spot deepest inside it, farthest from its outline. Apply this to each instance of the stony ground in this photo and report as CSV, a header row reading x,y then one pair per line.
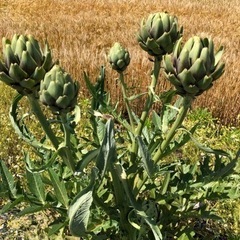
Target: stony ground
x,y
22,228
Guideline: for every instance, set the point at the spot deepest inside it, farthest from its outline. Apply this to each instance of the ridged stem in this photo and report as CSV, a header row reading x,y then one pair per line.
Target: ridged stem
x,y
42,120
66,150
125,98
64,153
148,105
150,99
187,100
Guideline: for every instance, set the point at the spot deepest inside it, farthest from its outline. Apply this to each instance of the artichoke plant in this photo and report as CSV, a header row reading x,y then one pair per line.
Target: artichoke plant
x,y
119,57
193,68
58,91
24,63
158,34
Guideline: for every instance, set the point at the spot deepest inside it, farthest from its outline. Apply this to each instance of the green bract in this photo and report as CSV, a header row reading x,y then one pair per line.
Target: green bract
x,y
158,34
193,67
24,63
58,91
119,57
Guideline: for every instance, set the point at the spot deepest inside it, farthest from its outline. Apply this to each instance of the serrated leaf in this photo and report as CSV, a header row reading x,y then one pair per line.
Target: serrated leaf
x,y
31,168
19,126
227,169
206,149
59,188
146,159
107,151
36,185
210,150
8,180
31,209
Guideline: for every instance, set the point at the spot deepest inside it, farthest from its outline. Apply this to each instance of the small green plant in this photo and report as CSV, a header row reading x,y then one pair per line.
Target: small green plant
x,y
115,183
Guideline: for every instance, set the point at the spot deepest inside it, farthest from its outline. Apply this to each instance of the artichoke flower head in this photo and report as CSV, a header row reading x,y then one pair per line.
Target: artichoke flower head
x,y
158,34
24,63
119,57
58,91
193,68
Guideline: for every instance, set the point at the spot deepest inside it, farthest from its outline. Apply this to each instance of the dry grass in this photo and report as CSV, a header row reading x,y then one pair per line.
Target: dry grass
x,y
80,34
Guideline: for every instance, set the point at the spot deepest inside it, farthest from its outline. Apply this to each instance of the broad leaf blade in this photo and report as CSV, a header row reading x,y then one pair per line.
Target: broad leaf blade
x,y
146,159
36,185
79,210
108,149
59,188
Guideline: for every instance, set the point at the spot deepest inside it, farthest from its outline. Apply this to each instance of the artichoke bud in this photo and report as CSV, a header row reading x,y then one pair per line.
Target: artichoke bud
x,y
24,63
58,91
158,34
193,67
119,57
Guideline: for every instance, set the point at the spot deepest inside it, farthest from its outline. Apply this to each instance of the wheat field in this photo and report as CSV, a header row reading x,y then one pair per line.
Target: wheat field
x,y
80,34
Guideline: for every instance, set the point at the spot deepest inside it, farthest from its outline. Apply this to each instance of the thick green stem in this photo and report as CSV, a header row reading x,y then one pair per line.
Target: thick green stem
x,y
150,99
148,106
65,129
63,152
42,120
129,110
66,150
187,100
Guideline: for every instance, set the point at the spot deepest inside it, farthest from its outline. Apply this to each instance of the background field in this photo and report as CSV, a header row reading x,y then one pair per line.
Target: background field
x,y
80,34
